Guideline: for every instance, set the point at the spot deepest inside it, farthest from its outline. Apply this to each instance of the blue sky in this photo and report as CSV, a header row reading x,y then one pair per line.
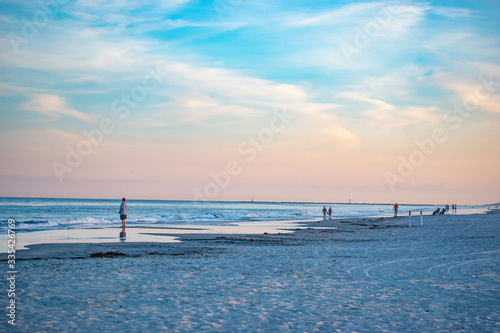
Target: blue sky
x,y
363,82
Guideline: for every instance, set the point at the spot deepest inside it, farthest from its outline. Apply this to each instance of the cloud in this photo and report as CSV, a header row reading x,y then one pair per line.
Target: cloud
x,y
196,106
353,37
76,51
232,86
390,116
9,90
473,93
405,17
122,12
141,17
399,17
331,17
54,107
61,135
317,125
452,12
429,114
170,24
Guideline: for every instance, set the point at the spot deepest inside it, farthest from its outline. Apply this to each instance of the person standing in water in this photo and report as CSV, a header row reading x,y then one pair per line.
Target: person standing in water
x,y
123,212
330,213
396,210
324,212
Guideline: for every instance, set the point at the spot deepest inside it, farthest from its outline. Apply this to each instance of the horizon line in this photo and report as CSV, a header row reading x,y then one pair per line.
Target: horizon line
x,y
253,201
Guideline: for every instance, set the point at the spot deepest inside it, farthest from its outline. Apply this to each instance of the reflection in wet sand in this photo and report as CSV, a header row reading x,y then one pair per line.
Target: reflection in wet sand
x,y
168,234
123,235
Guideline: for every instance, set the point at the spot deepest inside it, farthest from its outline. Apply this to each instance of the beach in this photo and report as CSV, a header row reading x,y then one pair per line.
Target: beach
x,y
363,275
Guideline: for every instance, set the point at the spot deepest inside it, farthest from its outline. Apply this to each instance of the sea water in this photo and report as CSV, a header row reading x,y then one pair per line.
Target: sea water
x,y
36,214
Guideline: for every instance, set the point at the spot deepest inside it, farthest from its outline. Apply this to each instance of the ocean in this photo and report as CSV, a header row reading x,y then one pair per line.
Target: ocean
x,y
37,214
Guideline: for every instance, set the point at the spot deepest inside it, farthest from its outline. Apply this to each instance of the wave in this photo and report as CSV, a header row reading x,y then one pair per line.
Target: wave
x,y
37,225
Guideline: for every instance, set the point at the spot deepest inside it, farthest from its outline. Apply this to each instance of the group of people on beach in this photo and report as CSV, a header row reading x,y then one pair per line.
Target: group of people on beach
x,y
446,208
438,211
329,211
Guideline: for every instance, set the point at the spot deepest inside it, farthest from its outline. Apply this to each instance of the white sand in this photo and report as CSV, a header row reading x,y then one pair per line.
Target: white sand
x,y
442,277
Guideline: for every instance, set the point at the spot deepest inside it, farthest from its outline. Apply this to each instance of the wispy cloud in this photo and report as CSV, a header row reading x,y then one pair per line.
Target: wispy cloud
x,y
399,16
61,135
233,85
453,12
332,17
389,116
473,91
54,107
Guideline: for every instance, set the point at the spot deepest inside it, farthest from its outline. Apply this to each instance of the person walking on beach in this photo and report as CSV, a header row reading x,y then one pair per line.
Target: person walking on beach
x,y
123,212
396,210
324,212
330,213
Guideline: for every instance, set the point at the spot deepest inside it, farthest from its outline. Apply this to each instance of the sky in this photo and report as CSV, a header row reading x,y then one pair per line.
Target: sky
x,y
314,101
